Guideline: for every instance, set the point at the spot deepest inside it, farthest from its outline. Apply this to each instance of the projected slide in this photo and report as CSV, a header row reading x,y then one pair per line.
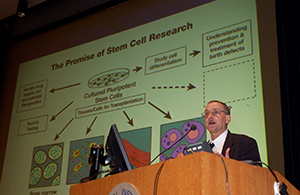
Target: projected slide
x,y
153,81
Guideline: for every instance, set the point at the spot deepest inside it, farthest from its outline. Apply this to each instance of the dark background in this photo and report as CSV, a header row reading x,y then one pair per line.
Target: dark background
x,y
288,50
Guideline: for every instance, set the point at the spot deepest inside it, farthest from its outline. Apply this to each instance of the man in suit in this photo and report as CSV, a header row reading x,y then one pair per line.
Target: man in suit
x,y
235,146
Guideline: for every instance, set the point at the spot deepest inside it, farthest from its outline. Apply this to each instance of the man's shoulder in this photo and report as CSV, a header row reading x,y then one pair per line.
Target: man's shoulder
x,y
240,137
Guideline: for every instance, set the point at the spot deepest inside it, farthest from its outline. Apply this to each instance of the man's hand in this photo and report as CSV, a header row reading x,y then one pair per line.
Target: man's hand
x,y
226,153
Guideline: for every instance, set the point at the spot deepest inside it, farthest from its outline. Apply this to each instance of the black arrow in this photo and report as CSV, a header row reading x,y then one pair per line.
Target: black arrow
x,y
195,52
189,87
89,129
54,116
58,134
130,121
137,69
167,115
53,90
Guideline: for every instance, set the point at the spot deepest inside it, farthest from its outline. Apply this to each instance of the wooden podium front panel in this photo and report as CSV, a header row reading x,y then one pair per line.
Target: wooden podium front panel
x,y
196,174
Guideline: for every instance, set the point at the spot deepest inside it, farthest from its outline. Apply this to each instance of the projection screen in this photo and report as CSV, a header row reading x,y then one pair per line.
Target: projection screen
x,y
153,80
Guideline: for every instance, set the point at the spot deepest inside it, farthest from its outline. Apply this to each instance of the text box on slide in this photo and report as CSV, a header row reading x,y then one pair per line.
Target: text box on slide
x,y
227,43
33,125
111,106
166,60
32,96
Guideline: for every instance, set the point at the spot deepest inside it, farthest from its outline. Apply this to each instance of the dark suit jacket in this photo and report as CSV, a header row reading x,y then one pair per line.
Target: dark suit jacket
x,y
241,147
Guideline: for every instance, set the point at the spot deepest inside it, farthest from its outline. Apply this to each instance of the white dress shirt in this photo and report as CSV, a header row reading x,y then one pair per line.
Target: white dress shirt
x,y
219,142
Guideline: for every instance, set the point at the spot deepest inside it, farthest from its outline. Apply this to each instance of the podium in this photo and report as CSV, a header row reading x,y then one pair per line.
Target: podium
x,y
194,174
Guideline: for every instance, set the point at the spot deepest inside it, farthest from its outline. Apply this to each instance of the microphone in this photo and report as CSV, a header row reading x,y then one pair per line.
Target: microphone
x,y
193,128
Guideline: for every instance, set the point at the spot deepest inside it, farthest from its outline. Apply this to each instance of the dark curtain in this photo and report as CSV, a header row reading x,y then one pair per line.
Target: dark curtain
x,y
3,53
288,32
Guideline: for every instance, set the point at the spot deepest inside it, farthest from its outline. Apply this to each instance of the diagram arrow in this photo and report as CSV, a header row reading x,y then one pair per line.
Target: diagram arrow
x,y
195,52
189,87
58,134
89,129
137,69
167,115
130,121
53,90
54,116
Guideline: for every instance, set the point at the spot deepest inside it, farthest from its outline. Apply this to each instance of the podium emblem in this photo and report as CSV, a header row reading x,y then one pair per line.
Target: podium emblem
x,y
124,189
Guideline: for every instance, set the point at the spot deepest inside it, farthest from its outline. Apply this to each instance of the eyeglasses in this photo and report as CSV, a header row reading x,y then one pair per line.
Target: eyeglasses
x,y
214,112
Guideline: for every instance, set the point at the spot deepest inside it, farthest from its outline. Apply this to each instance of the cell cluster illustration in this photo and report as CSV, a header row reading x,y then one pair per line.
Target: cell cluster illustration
x,y
46,166
172,133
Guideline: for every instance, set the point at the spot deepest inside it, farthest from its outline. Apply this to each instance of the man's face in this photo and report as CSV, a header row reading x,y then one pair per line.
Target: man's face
x,y
216,124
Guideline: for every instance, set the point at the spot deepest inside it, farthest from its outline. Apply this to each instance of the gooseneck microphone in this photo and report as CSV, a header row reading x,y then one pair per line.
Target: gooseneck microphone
x,y
193,128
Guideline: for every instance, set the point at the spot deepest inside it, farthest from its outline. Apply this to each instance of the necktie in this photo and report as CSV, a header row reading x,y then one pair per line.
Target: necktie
x,y
211,144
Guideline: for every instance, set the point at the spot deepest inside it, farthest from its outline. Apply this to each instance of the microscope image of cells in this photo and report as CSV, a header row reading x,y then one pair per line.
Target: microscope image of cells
x,y
108,78
45,165
163,157
90,145
178,152
76,153
194,135
55,152
170,137
56,181
35,175
50,170
77,168
40,157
